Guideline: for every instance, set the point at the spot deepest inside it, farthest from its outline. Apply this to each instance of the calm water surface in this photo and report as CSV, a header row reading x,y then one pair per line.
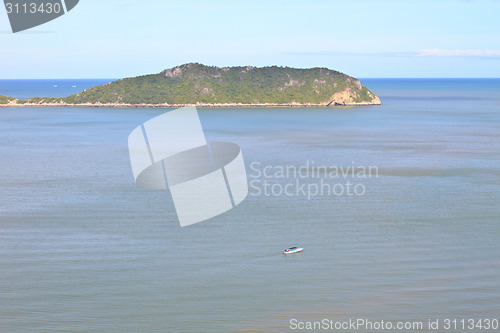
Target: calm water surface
x,y
82,249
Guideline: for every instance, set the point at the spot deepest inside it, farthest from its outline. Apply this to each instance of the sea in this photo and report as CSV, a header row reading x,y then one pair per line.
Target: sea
x,y
396,207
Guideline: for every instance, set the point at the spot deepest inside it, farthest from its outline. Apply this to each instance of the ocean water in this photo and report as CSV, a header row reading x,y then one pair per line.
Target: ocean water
x,y
82,249
24,89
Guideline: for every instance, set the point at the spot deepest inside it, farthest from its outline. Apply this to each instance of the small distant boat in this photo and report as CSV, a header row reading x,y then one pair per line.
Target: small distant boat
x,y
73,86
293,250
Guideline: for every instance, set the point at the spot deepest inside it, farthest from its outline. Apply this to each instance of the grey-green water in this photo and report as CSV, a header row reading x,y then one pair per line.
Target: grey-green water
x,y
82,249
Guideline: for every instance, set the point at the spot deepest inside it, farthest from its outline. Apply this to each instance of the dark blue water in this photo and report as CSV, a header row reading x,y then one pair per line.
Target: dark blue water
x,y
24,89
434,89
82,249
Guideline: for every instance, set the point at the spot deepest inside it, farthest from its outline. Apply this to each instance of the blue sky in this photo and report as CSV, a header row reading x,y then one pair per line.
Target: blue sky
x,y
122,38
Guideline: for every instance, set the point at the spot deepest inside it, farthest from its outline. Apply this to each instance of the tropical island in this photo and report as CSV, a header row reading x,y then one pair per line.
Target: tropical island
x,y
195,84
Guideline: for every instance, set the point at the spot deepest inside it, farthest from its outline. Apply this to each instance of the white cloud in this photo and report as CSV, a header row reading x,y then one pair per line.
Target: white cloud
x,y
458,53
487,53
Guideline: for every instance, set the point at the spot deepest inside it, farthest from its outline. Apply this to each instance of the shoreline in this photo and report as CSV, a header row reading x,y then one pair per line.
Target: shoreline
x,y
200,105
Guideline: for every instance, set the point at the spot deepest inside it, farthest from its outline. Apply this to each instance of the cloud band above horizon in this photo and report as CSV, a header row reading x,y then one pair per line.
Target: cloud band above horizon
x,y
487,53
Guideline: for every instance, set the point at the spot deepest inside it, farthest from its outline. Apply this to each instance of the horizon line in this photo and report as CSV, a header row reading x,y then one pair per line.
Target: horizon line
x,y
360,78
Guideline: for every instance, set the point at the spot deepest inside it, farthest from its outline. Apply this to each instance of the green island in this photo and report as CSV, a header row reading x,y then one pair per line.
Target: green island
x,y
195,84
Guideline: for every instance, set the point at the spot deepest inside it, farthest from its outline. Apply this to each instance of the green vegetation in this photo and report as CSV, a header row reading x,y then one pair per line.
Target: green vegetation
x,y
44,100
199,84
5,99
364,95
196,83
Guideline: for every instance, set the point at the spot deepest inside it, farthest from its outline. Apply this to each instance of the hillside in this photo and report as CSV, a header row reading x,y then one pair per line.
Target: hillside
x,y
6,100
197,84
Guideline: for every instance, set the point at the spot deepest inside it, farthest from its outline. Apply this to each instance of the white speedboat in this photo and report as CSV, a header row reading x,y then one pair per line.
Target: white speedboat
x,y
293,250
